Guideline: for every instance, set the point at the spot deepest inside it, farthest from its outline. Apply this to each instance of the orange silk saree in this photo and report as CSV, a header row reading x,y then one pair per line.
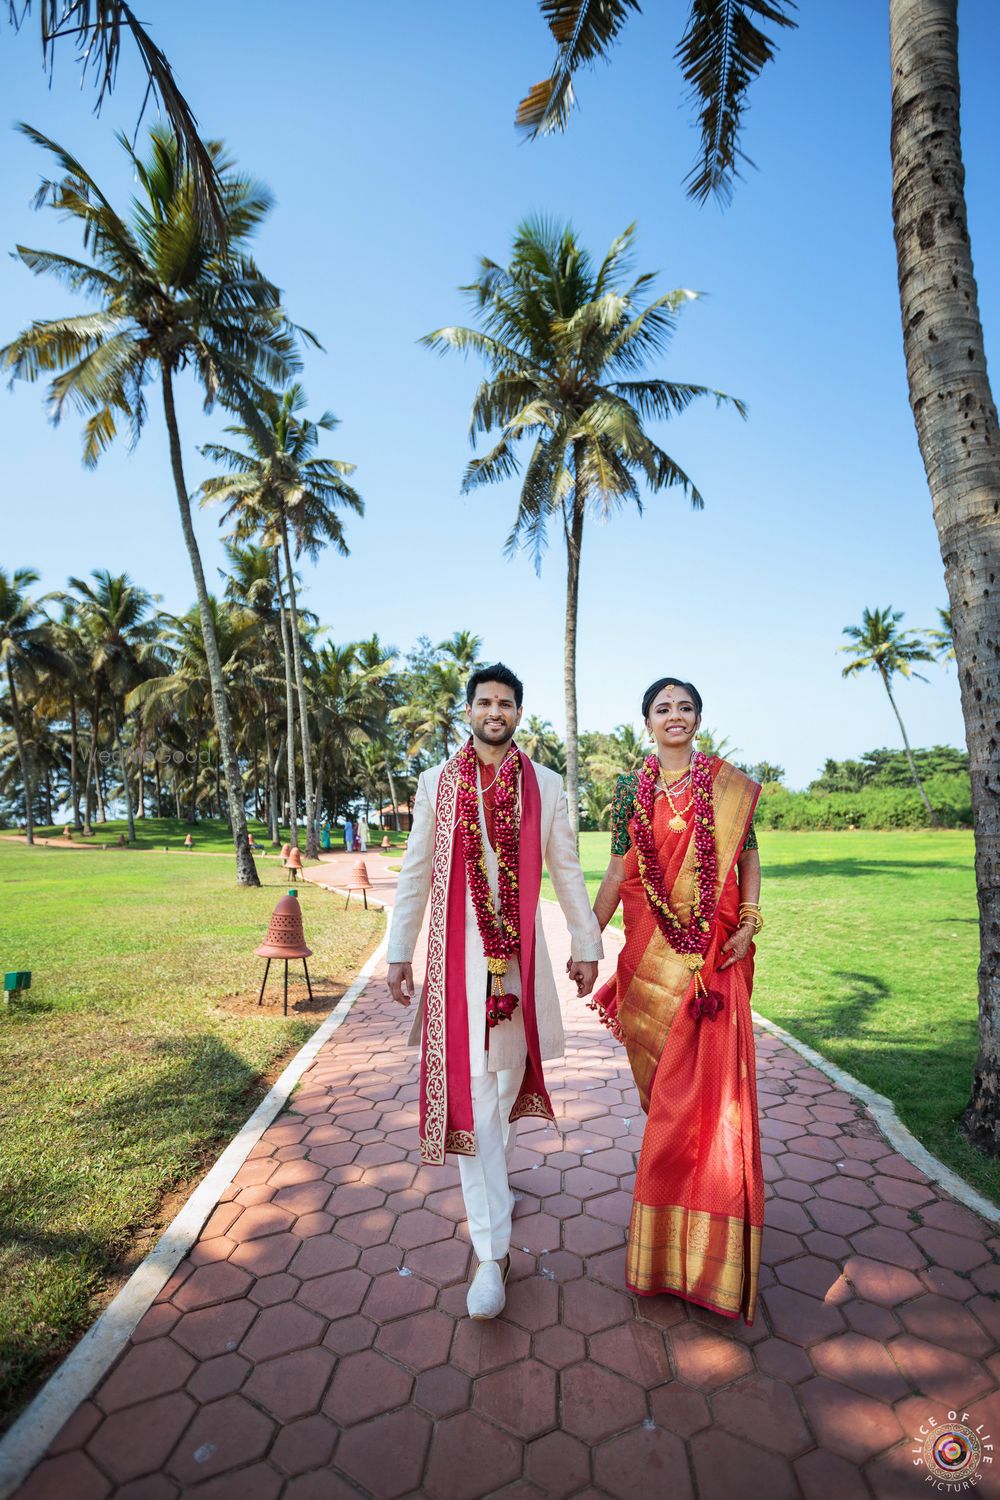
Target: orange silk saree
x,y
698,1205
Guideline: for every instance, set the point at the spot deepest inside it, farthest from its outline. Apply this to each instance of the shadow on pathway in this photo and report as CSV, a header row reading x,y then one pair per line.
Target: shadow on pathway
x,y
314,1345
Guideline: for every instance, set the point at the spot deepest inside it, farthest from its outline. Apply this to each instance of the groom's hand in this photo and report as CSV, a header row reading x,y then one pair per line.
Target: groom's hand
x,y
401,983
584,975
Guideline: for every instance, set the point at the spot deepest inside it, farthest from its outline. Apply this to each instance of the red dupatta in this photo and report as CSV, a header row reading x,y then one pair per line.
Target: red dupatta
x,y
446,1120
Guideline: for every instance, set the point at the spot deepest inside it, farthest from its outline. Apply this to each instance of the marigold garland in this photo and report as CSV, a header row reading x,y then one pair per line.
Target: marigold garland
x,y
690,939
500,931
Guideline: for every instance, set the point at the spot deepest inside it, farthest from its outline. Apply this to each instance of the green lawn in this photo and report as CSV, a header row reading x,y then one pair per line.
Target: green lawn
x,y
210,835
869,955
123,1073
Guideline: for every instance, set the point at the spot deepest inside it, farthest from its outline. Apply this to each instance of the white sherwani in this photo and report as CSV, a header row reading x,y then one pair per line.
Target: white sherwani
x,y
507,1041
496,1074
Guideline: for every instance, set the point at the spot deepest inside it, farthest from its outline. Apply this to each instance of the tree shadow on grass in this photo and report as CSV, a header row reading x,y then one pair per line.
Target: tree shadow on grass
x,y
853,869
203,1086
845,1012
842,1014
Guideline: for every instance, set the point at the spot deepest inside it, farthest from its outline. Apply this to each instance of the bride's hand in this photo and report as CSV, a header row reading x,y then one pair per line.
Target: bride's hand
x,y
737,947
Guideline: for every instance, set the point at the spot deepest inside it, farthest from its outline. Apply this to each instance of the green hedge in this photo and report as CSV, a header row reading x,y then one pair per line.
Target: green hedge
x,y
872,807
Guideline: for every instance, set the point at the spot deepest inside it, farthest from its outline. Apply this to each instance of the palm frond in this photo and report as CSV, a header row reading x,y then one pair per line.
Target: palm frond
x,y
584,31
667,398
721,52
98,27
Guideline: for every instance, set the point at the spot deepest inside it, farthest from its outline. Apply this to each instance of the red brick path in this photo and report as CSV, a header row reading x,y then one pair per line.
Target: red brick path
x,y
314,1345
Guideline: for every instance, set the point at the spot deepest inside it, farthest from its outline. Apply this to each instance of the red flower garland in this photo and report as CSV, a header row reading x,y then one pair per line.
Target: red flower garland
x,y
500,932
691,938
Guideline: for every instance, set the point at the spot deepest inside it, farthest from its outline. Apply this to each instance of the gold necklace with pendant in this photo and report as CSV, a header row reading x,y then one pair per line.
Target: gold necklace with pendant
x,y
677,823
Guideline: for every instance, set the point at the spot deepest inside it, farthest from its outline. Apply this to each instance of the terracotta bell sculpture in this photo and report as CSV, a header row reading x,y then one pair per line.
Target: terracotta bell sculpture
x,y
294,862
359,882
285,940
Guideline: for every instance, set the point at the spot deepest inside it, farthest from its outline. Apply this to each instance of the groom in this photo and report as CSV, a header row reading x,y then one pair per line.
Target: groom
x,y
483,822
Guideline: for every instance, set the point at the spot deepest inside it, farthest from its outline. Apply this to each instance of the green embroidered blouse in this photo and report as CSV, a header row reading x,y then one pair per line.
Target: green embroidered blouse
x,y
622,804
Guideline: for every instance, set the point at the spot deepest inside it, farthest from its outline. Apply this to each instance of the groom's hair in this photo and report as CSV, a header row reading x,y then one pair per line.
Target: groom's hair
x,y
496,673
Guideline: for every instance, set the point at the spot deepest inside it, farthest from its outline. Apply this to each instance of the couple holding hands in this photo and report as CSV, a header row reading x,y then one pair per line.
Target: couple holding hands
x,y
685,869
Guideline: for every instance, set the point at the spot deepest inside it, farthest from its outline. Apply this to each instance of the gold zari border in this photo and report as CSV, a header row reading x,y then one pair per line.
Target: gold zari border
x,y
710,1258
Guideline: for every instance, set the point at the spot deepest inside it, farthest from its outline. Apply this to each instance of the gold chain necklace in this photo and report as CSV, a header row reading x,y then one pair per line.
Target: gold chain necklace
x,y
677,822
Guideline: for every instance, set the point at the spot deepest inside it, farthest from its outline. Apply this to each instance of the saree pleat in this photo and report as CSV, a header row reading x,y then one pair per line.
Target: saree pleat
x,y
698,1206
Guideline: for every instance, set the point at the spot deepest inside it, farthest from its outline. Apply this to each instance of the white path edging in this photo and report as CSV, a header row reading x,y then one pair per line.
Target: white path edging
x,y
887,1120
29,1437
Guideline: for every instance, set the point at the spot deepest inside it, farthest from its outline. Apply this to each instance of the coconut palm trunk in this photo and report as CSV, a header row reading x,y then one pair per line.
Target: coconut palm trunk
x,y
392,792
246,871
91,768
22,756
74,762
956,421
273,818
320,772
286,647
193,809
129,812
909,753
307,775
574,542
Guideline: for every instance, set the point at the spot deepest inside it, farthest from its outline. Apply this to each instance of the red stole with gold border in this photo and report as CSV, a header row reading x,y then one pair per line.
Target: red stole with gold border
x,y
446,1120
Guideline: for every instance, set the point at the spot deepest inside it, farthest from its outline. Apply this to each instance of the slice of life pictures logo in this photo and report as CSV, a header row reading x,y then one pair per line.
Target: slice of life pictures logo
x,y
953,1449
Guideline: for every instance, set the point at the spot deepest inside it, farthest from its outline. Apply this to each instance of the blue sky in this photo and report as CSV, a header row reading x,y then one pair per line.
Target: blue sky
x,y
386,134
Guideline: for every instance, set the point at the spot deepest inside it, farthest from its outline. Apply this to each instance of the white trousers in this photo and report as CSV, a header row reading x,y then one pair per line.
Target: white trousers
x,y
485,1186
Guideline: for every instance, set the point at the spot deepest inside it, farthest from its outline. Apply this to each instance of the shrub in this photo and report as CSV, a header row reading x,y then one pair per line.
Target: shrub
x,y
869,807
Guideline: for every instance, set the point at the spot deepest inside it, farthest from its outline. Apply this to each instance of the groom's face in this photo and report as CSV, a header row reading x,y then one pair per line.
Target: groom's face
x,y
493,713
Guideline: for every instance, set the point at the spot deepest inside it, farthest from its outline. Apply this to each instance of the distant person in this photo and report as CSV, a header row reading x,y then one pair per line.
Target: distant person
x,y
348,835
189,842
683,842
362,834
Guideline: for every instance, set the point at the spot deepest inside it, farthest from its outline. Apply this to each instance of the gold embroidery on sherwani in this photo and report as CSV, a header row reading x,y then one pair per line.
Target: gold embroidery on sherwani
x,y
434,1143
662,978
708,1258
462,1142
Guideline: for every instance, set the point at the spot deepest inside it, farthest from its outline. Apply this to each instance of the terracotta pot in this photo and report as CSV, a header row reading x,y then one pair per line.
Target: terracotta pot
x,y
285,936
359,877
294,860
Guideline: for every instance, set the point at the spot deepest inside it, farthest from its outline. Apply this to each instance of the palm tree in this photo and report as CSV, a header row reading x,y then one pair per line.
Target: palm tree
x,y
112,614
711,742
878,645
251,583
170,299
25,646
276,485
463,649
943,638
185,693
382,686
431,712
540,743
72,647
943,344
565,344
344,712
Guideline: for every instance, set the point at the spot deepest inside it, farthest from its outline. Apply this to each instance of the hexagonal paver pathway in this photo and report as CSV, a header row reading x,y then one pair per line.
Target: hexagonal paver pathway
x,y
314,1344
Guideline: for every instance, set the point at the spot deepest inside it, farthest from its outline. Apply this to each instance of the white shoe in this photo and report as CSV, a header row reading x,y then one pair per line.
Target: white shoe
x,y
486,1298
